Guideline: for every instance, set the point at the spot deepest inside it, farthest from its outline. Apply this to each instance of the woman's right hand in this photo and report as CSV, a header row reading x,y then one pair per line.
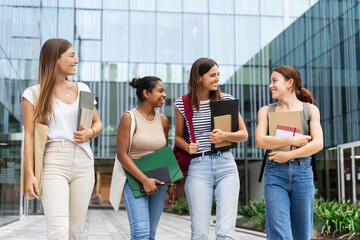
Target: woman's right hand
x,y
300,140
150,185
32,188
192,149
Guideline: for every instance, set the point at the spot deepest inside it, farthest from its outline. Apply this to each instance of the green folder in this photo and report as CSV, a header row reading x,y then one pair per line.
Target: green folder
x,y
161,158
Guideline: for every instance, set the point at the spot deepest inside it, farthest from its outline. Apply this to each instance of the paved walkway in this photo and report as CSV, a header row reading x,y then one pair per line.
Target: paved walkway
x,y
106,224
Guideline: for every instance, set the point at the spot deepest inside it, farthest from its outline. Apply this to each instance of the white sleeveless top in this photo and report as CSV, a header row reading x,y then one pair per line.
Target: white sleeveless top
x,y
63,125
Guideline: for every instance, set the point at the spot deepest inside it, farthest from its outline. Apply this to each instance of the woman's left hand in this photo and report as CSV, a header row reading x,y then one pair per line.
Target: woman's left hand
x,y
171,193
217,136
83,135
279,156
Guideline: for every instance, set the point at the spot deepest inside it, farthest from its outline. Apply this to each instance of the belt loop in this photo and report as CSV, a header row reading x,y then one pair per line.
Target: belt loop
x,y
203,154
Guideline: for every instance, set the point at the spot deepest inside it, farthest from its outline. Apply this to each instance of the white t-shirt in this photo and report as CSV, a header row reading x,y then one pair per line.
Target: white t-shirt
x,y
63,125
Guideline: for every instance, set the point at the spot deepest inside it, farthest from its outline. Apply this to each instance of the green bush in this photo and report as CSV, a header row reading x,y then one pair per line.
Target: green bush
x,y
338,217
182,206
179,206
255,212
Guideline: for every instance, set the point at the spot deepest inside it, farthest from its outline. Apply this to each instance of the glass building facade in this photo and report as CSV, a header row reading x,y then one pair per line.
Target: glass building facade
x,y
118,40
324,45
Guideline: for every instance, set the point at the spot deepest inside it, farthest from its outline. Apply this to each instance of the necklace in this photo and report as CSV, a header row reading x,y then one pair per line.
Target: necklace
x,y
62,92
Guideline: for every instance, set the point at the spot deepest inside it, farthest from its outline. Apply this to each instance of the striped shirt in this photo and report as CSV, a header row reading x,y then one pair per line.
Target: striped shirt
x,y
201,121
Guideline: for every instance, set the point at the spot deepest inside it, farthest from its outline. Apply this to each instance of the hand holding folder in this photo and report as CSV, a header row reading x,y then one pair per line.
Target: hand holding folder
x,y
224,116
155,163
285,124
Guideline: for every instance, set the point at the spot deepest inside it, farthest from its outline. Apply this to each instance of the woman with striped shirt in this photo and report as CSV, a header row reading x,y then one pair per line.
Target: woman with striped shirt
x,y
210,173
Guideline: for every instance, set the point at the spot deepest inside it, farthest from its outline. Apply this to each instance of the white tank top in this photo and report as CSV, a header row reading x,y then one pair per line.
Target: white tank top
x,y
62,127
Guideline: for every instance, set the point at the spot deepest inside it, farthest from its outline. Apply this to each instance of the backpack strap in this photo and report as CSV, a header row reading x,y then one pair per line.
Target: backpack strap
x,y
189,113
132,129
307,114
271,108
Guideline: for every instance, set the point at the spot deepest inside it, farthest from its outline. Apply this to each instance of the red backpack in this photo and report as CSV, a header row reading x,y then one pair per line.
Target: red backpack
x,y
183,157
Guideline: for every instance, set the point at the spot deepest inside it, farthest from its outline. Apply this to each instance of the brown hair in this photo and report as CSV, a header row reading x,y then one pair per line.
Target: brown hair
x,y
147,83
198,69
49,54
290,72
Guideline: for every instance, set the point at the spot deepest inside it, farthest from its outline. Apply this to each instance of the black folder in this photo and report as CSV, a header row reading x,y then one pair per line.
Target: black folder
x,y
161,174
225,113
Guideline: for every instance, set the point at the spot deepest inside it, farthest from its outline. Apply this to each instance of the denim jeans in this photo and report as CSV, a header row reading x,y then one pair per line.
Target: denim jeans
x,y
289,199
144,213
208,176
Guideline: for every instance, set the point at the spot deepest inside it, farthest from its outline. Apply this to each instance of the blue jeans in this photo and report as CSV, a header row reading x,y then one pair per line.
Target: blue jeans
x,y
289,199
144,213
207,176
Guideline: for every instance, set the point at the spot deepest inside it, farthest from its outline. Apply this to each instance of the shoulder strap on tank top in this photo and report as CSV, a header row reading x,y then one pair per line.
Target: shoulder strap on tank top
x,y
271,107
307,111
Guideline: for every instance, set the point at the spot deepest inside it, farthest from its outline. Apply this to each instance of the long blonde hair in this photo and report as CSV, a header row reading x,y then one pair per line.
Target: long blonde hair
x,y
49,55
198,69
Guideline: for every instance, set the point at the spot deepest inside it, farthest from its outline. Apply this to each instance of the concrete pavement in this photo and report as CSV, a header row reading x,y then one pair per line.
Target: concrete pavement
x,y
106,224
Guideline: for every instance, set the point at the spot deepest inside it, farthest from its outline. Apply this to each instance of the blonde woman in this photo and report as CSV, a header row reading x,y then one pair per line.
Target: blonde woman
x,y
68,175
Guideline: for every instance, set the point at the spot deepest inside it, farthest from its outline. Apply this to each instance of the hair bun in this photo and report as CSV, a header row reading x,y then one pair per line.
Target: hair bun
x,y
135,82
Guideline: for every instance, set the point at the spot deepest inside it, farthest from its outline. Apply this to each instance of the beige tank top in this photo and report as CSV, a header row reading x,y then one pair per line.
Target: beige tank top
x,y
149,136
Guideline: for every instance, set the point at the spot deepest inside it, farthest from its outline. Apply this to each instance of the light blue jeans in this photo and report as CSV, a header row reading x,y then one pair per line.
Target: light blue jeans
x,y
289,199
144,213
208,176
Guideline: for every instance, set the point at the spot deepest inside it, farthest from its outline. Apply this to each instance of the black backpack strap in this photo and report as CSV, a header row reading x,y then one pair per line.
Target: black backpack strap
x,y
271,108
307,114
263,165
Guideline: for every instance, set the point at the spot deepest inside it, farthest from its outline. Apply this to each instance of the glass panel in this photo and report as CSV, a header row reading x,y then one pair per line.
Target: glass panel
x,y
247,46
66,31
117,72
146,5
87,71
25,24
270,28
298,7
169,38
247,7
88,50
96,4
88,24
169,73
25,48
224,6
66,3
49,3
226,72
115,40
10,169
195,37
115,4
222,39
196,6
141,70
348,174
48,23
272,7
142,37
169,5
357,172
